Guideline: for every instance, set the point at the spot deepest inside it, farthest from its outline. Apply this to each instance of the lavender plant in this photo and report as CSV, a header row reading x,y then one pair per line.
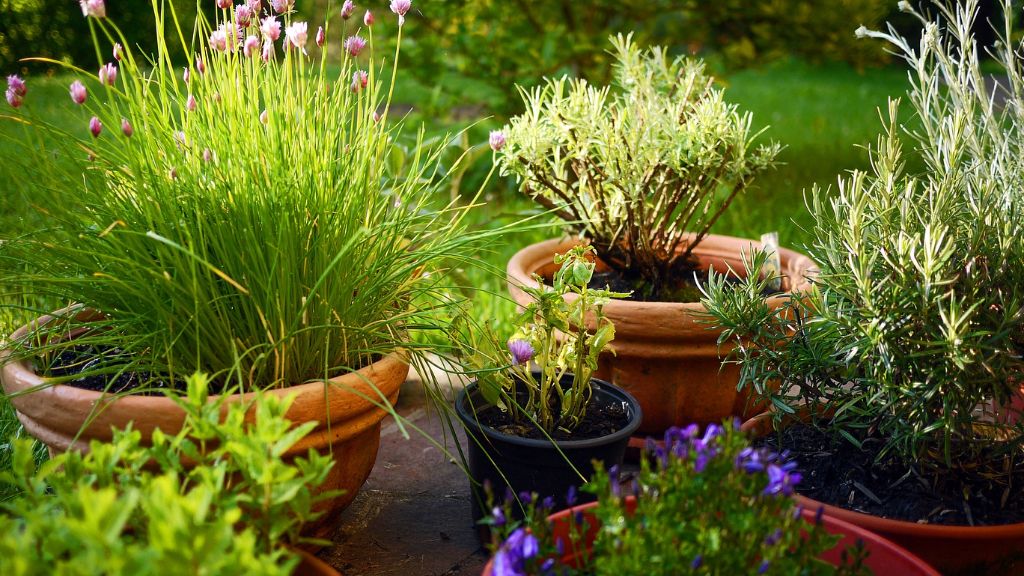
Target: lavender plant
x,y
643,171
703,503
107,512
541,398
914,333
249,215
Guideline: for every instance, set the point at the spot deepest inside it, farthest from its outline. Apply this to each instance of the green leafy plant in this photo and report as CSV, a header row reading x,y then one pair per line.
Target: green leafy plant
x,y
641,172
552,333
126,508
915,330
701,504
249,216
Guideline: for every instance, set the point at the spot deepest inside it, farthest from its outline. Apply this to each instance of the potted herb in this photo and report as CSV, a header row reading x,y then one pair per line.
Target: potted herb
x,y
234,508
906,358
642,172
250,215
543,429
702,503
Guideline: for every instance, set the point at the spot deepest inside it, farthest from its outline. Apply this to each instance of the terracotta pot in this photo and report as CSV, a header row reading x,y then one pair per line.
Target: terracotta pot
x,y
537,465
663,356
64,417
884,559
310,565
966,550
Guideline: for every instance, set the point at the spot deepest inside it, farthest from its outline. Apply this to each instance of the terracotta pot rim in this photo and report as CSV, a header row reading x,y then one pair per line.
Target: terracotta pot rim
x,y
21,372
519,273
891,525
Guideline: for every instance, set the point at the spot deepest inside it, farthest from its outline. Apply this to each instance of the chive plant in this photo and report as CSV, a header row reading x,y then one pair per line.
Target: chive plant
x,y
246,213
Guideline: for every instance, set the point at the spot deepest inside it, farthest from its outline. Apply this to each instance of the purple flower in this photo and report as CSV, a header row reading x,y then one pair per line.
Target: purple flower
x,y
781,480
359,80
368,19
497,140
118,51
207,155
548,503
819,515
93,8
570,496
763,567
401,7
773,538
751,460
243,15
95,127
254,5
347,9
16,85
219,40
108,74
521,351
296,36
190,104
511,557
698,561
354,45
321,37
12,98
251,46
126,128
498,516
282,6
270,28
525,497
78,92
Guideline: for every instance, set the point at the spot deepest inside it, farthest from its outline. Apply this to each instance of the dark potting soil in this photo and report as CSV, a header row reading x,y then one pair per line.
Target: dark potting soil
x,y
98,369
680,290
600,419
837,472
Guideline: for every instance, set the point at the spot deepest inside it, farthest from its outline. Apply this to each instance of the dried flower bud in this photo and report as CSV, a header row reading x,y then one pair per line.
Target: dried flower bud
x,y
78,92
95,127
173,173
376,116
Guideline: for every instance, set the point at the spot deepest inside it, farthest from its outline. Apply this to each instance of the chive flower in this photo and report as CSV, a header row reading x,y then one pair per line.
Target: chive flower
x,y
200,65
270,28
223,4
126,127
118,51
359,80
354,45
521,351
282,6
243,15
368,19
497,140
95,126
93,8
347,9
108,74
78,92
16,90
401,7
321,37
296,36
190,103
251,46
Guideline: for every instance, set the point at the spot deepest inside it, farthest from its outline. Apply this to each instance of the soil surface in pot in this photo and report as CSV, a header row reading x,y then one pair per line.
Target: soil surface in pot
x,y
85,361
680,290
838,473
601,419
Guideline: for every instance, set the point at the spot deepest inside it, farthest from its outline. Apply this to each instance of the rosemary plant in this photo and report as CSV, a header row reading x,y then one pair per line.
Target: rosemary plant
x,y
915,331
250,214
642,171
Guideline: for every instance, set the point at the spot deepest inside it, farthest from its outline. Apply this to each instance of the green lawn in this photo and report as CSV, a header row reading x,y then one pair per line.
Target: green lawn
x,y
824,115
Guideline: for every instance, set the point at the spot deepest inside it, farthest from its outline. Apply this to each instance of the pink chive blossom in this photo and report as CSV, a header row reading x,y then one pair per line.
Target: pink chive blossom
x,y
295,36
93,8
13,98
401,7
118,51
108,74
376,116
126,127
521,352
268,51
251,46
243,15
179,139
320,37
255,5
354,45
282,6
200,65
368,19
78,92
207,155
270,28
95,126
264,118
185,75
347,9
219,40
497,140
223,4
191,104
359,80
17,85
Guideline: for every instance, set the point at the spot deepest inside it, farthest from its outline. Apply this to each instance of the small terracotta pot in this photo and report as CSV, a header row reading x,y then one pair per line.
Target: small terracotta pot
x,y
64,417
965,550
662,355
884,557
310,565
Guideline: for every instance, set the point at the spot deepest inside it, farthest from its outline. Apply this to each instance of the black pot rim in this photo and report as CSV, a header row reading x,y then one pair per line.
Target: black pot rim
x,y
599,386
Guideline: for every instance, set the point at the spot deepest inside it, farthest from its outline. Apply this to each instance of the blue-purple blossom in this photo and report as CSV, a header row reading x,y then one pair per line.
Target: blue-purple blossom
x,y
548,503
498,516
511,557
818,515
570,496
698,561
782,479
525,497
521,351
773,538
763,567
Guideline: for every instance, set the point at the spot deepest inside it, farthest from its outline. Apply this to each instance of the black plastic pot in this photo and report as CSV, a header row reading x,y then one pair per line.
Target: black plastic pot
x,y
536,465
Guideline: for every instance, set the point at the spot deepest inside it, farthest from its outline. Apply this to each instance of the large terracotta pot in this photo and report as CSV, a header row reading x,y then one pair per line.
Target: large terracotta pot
x,y
64,417
663,355
884,557
310,565
954,550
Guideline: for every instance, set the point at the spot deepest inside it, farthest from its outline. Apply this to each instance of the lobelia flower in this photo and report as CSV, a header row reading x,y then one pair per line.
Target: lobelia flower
x,y
223,4
511,557
354,45
782,479
401,7
251,46
359,80
93,8
95,127
282,6
368,19
78,92
347,9
268,51
190,104
108,74
126,128
521,351
498,516
497,140
270,28
320,37
296,36
243,15
118,51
